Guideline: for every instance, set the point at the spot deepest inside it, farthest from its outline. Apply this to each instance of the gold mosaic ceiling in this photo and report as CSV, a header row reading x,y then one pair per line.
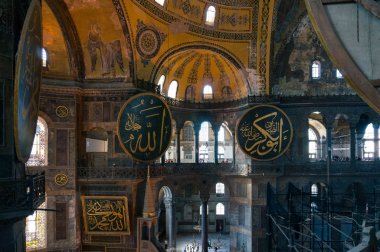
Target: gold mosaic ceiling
x,y
126,40
196,68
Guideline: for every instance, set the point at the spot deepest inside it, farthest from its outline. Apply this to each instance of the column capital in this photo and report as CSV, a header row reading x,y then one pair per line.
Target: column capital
x,y
353,120
329,121
216,127
197,127
204,197
168,203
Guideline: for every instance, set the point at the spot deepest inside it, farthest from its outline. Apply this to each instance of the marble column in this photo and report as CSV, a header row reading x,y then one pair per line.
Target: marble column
x,y
376,139
329,151
178,136
233,148
216,129
196,136
204,199
169,221
352,144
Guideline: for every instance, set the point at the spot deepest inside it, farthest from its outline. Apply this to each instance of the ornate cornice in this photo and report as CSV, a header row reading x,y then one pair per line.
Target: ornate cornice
x,y
155,10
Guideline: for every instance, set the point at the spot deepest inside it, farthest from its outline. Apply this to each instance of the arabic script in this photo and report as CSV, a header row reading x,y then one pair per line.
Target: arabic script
x,y
145,127
106,215
265,132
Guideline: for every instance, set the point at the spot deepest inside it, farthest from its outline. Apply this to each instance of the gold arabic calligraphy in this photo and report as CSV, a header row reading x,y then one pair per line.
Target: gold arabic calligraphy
x,y
265,134
147,127
106,215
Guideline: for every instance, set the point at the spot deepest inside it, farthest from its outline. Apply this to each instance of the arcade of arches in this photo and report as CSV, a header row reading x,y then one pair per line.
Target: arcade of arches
x,y
211,61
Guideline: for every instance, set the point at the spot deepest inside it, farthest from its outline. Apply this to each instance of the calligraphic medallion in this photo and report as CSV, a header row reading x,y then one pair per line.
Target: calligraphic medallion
x,y
144,127
105,215
62,111
27,82
264,133
61,179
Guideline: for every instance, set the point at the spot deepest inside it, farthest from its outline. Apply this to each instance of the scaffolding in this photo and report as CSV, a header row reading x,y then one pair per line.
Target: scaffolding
x,y
302,220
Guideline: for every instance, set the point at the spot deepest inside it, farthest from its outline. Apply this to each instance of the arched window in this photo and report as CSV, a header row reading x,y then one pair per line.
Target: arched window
x,y
161,82
35,229
188,134
369,143
316,70
204,133
172,92
207,92
160,2
219,209
314,189
313,144
44,58
210,15
200,210
219,188
38,156
221,135
189,94
339,74
226,91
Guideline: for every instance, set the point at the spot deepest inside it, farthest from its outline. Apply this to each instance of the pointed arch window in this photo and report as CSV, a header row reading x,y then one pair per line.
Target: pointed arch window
x,y
316,69
38,155
210,15
44,57
172,92
160,2
207,92
161,82
35,230
219,209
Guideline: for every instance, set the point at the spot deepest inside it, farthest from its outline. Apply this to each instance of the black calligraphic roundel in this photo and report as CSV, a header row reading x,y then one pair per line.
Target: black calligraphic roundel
x,y
264,132
144,127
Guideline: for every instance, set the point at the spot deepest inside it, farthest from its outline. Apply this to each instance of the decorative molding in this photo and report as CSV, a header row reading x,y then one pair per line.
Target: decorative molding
x,y
264,45
124,22
155,10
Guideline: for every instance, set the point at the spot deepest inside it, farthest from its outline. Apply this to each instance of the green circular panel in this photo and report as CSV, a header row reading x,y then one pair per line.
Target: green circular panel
x,y
264,132
144,127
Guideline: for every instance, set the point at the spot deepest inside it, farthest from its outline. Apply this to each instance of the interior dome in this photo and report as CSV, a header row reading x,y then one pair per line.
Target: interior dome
x,y
202,76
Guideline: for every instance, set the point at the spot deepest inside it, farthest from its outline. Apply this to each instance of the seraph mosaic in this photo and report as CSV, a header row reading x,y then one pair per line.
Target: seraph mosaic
x,y
264,133
107,54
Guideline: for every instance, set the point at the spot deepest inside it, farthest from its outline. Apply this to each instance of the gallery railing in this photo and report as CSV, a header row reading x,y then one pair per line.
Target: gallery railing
x,y
157,170
139,171
17,196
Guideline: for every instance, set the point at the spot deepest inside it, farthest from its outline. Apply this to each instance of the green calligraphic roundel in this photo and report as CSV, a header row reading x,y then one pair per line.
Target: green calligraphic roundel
x,y
264,132
144,127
